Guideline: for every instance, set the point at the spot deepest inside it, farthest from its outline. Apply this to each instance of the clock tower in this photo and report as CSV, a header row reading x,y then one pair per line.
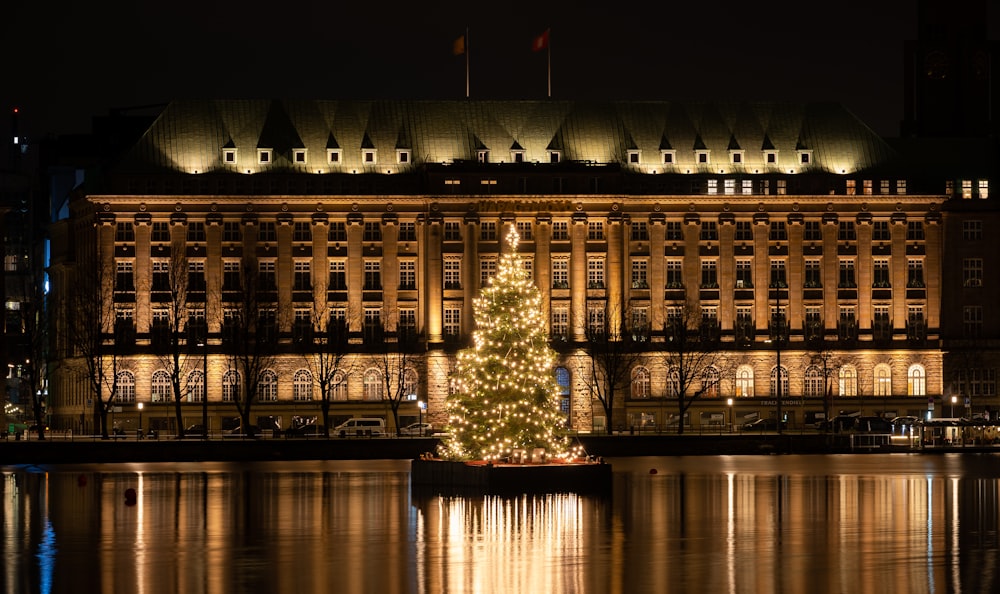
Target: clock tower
x,y
949,72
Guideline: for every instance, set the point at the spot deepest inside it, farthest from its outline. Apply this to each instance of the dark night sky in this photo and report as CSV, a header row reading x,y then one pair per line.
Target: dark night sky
x,y
67,61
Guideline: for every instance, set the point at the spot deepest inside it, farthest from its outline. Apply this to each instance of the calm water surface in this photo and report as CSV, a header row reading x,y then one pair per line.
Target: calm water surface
x,y
858,524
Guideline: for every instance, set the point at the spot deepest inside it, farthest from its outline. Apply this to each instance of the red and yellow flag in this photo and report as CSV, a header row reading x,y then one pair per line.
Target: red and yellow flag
x,y
458,48
541,42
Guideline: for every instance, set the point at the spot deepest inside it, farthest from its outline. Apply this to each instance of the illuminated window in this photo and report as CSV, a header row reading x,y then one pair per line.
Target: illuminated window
x,y
407,274
901,186
640,383
194,386
373,384
230,386
595,321
812,385
452,323
560,323
302,385
782,187
984,188
883,380
729,186
867,187
125,381
487,269
160,387
560,273
916,381
847,379
747,186
744,381
453,272
713,186
851,189
595,273
966,189
884,186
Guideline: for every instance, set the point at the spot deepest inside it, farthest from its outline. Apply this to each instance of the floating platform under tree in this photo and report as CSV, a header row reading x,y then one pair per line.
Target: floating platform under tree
x,y
510,478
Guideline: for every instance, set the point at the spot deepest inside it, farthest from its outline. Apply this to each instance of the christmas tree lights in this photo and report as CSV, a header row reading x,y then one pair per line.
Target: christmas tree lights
x,y
505,396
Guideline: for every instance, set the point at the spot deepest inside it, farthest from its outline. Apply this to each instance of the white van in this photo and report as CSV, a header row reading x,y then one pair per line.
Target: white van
x,y
367,426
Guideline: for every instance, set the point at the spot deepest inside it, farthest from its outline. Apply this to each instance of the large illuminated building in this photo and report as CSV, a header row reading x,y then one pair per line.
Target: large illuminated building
x,y
793,230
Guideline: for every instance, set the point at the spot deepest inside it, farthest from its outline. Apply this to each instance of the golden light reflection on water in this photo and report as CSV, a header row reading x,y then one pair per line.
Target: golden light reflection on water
x,y
867,524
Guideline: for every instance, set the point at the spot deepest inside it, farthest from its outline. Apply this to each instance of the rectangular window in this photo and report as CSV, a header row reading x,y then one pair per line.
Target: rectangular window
x,y
880,231
487,269
595,230
777,231
373,275
302,231
373,231
778,278
915,273
640,232
709,231
231,231
880,273
407,323
372,328
851,187
488,231
528,266
747,186
452,273
196,231
452,231
744,231
847,279
407,275
161,275
267,232
846,231
884,186
914,231
972,321
196,275
881,323
408,231
524,230
231,275
867,185
452,323
595,320
901,186
560,323
709,274
639,270
729,186
560,231
124,232
266,279
302,280
813,274
782,187
984,189
972,230
744,273
595,273
124,276
972,272
814,319
674,231
338,275
160,232
812,231
560,273
338,231
675,278
713,186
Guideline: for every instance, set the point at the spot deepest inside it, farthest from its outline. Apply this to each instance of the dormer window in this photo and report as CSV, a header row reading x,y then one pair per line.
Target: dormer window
x,y
229,156
736,156
702,156
299,156
555,156
633,156
805,157
333,156
402,156
263,156
668,157
771,157
517,156
483,156
368,156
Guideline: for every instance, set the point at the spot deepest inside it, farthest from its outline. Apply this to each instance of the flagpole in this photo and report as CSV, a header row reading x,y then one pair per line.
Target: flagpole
x,y
466,62
548,52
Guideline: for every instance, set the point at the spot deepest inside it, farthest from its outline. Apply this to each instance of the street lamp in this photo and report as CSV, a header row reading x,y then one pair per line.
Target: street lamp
x,y
729,403
954,399
139,406
421,405
204,389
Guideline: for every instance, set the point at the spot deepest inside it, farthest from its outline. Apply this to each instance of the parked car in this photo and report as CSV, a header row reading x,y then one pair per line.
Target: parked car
x,y
369,427
304,430
422,429
195,431
762,424
905,425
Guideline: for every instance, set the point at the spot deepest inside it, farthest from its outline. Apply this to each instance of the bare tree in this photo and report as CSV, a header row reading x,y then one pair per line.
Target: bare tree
x,y
828,364
34,345
395,358
325,348
95,334
171,339
250,336
691,357
616,345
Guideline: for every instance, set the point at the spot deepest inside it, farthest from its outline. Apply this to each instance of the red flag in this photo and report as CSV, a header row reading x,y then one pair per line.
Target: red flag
x,y
541,42
458,48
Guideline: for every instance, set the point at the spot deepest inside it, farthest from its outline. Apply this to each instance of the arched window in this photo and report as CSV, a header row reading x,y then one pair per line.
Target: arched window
x,y
562,378
883,380
195,386
744,381
640,382
268,388
848,380
410,380
813,384
231,385
916,381
338,386
373,385
710,380
302,385
784,381
159,387
673,383
126,386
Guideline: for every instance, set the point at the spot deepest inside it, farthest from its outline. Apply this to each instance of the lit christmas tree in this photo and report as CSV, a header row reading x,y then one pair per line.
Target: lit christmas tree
x,y
505,394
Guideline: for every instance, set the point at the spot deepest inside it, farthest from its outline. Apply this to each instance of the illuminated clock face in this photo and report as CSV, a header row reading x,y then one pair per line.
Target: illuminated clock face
x,y
936,65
